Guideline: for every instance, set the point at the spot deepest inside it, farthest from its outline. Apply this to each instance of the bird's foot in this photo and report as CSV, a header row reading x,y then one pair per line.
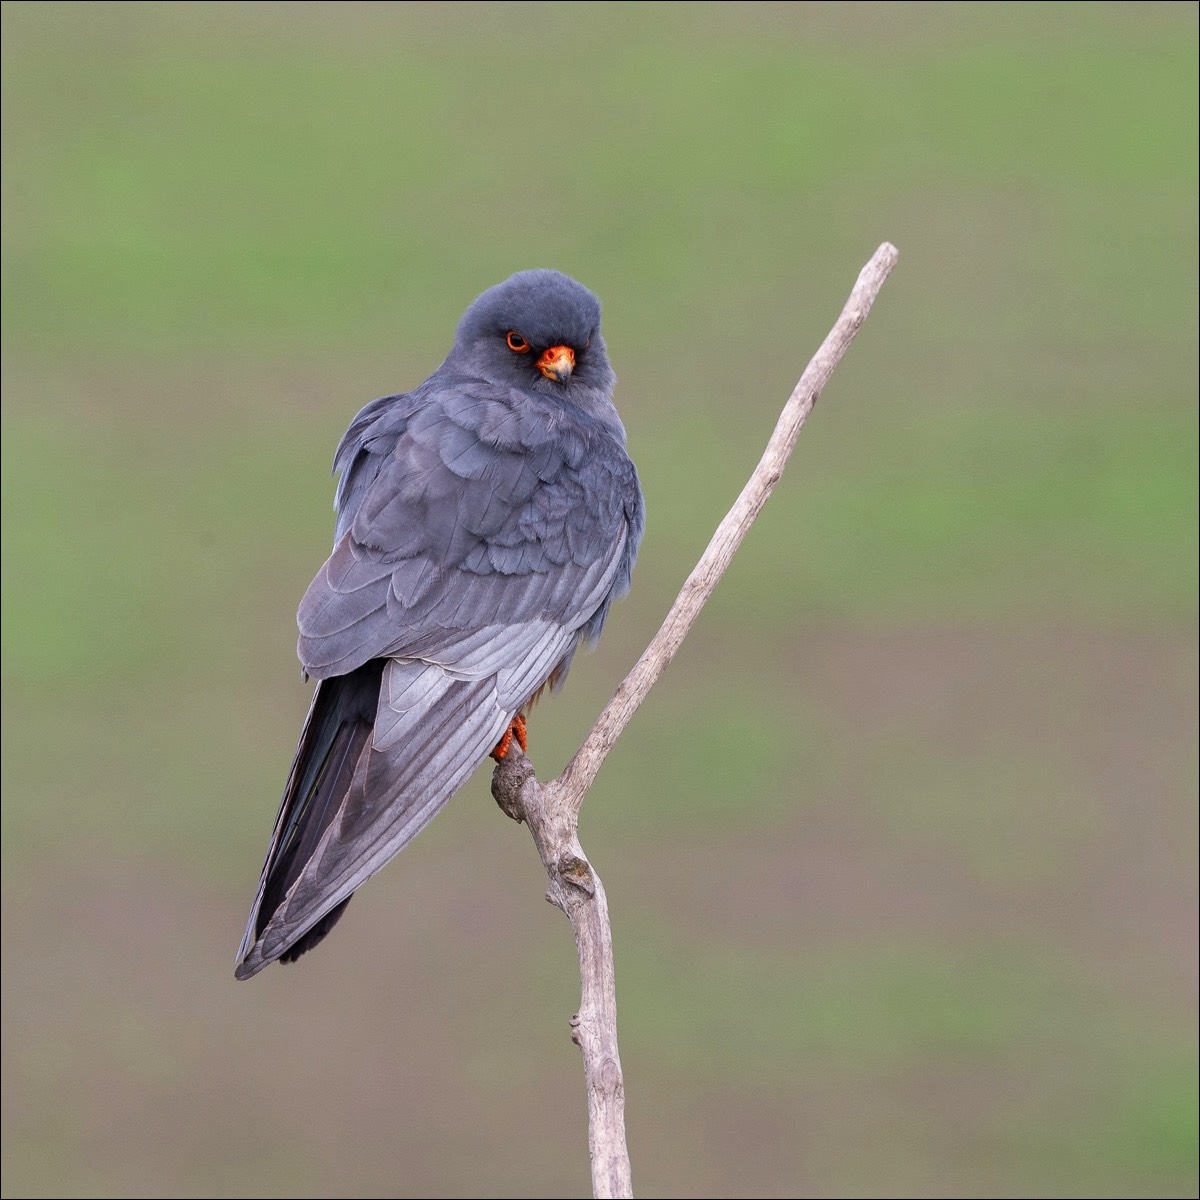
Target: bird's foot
x,y
515,730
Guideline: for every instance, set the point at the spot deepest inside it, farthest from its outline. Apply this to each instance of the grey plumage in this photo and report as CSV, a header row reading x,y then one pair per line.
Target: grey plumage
x,y
485,522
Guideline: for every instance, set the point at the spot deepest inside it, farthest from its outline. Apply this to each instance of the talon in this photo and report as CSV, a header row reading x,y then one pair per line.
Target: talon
x,y
516,730
502,745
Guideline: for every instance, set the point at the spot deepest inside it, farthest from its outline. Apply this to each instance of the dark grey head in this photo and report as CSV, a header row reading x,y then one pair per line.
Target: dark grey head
x,y
538,330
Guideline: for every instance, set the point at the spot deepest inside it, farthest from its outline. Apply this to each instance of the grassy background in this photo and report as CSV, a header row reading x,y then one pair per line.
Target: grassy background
x,y
901,852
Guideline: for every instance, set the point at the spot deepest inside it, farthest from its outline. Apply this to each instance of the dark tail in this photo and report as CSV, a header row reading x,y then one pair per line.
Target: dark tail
x,y
337,732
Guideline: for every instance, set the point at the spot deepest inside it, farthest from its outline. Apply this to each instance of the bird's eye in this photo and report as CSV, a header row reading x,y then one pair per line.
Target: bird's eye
x,y
517,343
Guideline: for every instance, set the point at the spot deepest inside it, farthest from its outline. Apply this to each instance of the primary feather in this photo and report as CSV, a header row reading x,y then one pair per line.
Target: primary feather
x,y
485,522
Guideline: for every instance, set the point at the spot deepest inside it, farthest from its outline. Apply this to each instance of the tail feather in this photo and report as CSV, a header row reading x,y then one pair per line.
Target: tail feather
x,y
316,934
384,748
336,735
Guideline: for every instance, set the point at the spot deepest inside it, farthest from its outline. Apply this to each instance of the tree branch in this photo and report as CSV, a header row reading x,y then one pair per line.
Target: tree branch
x,y
551,810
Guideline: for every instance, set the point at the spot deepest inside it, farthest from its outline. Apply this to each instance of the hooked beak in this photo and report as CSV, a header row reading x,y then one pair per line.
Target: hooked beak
x,y
557,363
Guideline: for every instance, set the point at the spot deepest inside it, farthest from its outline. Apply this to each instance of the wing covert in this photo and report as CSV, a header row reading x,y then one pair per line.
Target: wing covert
x,y
476,517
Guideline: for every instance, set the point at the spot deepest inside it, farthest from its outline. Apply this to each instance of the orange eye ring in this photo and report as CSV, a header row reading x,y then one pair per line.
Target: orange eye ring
x,y
516,343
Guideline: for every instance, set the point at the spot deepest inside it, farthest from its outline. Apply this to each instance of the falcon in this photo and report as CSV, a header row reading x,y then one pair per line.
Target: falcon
x,y
486,520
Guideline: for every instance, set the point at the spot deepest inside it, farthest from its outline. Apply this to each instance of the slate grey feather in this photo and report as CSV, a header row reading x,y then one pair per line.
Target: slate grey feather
x,y
485,522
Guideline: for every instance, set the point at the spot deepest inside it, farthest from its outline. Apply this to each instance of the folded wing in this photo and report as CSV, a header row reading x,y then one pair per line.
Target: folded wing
x,y
478,544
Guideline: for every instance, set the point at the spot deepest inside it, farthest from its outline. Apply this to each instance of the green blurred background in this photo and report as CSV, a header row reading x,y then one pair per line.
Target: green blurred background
x,y
900,852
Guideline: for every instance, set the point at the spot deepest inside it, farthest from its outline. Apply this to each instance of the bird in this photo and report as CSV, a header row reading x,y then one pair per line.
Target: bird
x,y
485,522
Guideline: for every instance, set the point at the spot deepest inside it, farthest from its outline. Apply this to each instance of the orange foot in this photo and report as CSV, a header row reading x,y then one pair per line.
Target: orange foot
x,y
515,730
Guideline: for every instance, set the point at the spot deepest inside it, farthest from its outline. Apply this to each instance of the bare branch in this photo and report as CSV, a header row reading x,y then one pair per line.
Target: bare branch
x,y
576,889
581,770
551,810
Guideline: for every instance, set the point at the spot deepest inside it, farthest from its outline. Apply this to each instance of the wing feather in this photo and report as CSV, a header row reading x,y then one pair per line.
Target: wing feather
x,y
480,538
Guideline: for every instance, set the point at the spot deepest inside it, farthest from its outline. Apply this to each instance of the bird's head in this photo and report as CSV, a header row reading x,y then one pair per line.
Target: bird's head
x,y
538,330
